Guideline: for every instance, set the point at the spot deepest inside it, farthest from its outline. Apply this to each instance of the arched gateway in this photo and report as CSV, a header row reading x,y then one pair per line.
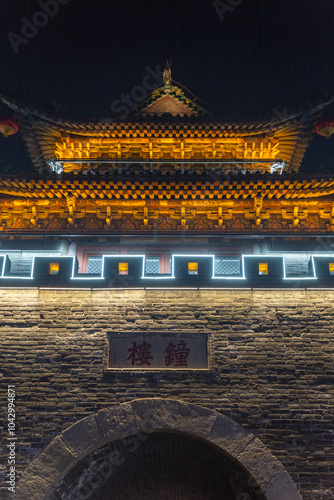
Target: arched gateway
x,y
149,448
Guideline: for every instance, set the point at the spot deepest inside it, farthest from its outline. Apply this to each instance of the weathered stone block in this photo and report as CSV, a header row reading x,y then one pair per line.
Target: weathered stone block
x,y
257,459
83,437
31,487
279,488
55,460
117,421
229,436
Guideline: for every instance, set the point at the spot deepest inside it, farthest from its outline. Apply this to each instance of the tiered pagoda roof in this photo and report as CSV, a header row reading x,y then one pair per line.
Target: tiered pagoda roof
x,y
168,133
169,168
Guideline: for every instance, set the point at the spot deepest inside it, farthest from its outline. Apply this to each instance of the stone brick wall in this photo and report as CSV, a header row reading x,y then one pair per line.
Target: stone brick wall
x,y
271,369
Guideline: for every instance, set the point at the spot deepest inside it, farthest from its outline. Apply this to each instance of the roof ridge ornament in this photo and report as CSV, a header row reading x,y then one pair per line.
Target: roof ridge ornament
x,y
167,77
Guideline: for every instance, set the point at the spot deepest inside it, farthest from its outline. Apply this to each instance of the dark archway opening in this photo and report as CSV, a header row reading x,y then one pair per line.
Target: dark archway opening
x,y
157,466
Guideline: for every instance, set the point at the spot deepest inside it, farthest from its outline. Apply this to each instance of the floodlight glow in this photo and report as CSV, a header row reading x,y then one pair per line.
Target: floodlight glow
x,y
56,167
121,258
263,268
191,256
193,268
123,268
53,267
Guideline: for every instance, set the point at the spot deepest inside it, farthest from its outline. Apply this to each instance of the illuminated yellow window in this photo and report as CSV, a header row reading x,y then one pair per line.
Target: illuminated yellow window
x,y
123,268
331,267
263,268
54,267
192,267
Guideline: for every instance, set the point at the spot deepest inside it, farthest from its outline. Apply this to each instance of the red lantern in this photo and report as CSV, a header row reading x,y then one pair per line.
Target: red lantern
x,y
325,127
8,126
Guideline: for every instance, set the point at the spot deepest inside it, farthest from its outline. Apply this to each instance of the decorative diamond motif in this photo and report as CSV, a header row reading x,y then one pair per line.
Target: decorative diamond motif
x,y
95,265
227,267
152,265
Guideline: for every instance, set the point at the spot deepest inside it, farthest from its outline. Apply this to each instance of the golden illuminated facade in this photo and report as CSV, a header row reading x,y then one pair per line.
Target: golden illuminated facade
x,y
169,169
104,206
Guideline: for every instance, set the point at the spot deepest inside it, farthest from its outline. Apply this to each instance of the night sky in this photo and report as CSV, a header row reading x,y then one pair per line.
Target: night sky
x,y
256,56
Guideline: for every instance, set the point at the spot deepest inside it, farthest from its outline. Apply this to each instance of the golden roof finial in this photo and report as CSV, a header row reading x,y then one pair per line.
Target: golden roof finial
x,y
167,77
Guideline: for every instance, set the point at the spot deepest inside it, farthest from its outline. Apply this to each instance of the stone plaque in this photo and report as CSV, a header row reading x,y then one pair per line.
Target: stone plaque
x,y
158,352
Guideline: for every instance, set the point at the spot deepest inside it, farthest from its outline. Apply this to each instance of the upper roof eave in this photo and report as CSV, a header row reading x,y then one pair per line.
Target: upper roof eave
x,y
41,129
274,121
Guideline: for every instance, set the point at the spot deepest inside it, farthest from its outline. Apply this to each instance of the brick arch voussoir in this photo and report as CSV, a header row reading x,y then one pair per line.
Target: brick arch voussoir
x,y
150,415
